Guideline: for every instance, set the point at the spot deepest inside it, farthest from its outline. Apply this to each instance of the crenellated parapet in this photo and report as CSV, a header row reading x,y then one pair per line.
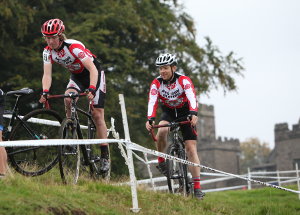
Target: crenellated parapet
x,y
282,132
226,144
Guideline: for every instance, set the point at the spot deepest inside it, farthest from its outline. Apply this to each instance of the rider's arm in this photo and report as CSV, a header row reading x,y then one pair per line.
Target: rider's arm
x,y
190,93
153,99
89,65
47,77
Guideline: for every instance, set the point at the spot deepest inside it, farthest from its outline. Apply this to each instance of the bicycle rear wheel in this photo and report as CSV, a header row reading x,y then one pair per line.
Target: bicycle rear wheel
x,y
177,177
35,160
69,155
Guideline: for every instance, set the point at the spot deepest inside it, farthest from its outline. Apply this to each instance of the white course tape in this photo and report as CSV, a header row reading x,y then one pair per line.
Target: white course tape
x,y
137,147
42,121
58,142
133,146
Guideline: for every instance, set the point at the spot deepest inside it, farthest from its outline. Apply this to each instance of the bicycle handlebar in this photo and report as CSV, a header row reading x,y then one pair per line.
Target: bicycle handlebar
x,y
171,125
69,95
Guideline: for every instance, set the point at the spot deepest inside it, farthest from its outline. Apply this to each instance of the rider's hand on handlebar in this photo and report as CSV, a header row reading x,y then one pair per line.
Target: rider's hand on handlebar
x,y
149,124
91,91
193,119
44,95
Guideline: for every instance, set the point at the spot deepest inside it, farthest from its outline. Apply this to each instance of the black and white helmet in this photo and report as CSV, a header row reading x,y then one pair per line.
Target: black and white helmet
x,y
166,59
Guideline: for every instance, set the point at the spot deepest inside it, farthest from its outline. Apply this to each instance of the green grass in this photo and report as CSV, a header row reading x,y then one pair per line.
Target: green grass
x,y
47,195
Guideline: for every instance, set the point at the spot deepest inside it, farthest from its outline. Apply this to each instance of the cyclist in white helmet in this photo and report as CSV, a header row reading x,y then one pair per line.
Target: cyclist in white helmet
x,y
177,96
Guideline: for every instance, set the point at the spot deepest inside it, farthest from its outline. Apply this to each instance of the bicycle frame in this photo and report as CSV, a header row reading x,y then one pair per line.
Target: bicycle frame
x,y
74,117
176,173
16,118
89,152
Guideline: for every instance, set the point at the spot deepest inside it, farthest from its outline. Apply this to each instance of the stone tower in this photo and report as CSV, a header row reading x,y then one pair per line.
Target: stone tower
x,y
217,153
206,123
287,146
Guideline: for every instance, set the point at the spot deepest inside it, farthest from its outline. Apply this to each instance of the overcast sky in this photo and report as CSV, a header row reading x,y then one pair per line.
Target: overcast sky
x,y
266,34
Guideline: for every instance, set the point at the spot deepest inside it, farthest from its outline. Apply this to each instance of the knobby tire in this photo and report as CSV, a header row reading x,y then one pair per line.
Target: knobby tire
x,y
34,161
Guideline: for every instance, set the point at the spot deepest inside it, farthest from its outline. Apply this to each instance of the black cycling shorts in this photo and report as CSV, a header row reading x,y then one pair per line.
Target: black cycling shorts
x,y
169,114
81,82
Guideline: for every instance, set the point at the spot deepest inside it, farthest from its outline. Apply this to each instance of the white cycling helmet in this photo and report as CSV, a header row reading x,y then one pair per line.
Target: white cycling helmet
x,y
166,59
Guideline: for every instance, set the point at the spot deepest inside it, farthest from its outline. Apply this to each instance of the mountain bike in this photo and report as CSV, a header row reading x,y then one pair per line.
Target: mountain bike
x,y
177,174
36,125
74,159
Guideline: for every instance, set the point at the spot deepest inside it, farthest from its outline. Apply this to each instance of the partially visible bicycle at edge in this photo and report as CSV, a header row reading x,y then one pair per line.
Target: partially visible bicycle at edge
x,y
36,125
78,159
177,172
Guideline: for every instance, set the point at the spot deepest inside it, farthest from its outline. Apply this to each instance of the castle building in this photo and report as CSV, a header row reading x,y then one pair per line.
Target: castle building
x,y
286,152
217,153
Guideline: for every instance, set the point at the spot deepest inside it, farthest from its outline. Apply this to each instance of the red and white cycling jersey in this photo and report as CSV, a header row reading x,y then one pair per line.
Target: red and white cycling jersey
x,y
173,95
70,55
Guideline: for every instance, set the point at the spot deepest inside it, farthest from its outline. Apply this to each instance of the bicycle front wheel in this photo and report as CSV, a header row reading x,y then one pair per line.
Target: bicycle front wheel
x,y
177,177
69,155
36,125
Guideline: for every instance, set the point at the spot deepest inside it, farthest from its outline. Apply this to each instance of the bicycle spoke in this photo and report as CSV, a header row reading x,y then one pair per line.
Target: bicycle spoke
x,y
69,156
33,161
177,173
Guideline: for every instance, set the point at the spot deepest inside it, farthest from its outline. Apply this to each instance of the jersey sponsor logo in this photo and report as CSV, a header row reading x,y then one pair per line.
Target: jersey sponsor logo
x,y
81,55
187,86
153,92
61,53
65,61
171,86
170,94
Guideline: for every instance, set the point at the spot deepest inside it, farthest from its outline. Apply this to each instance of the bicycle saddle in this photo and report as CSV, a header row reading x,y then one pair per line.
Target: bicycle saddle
x,y
23,91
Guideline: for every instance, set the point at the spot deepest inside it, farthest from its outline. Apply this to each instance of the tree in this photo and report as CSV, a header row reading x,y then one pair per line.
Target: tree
x,y
126,35
254,153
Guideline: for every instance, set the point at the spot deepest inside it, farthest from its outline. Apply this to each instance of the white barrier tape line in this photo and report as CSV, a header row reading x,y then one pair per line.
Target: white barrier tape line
x,y
288,181
137,147
43,121
224,188
146,181
123,153
209,181
58,142
139,158
272,177
270,173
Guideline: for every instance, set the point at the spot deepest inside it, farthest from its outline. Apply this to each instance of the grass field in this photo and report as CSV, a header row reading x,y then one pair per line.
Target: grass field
x,y
47,195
